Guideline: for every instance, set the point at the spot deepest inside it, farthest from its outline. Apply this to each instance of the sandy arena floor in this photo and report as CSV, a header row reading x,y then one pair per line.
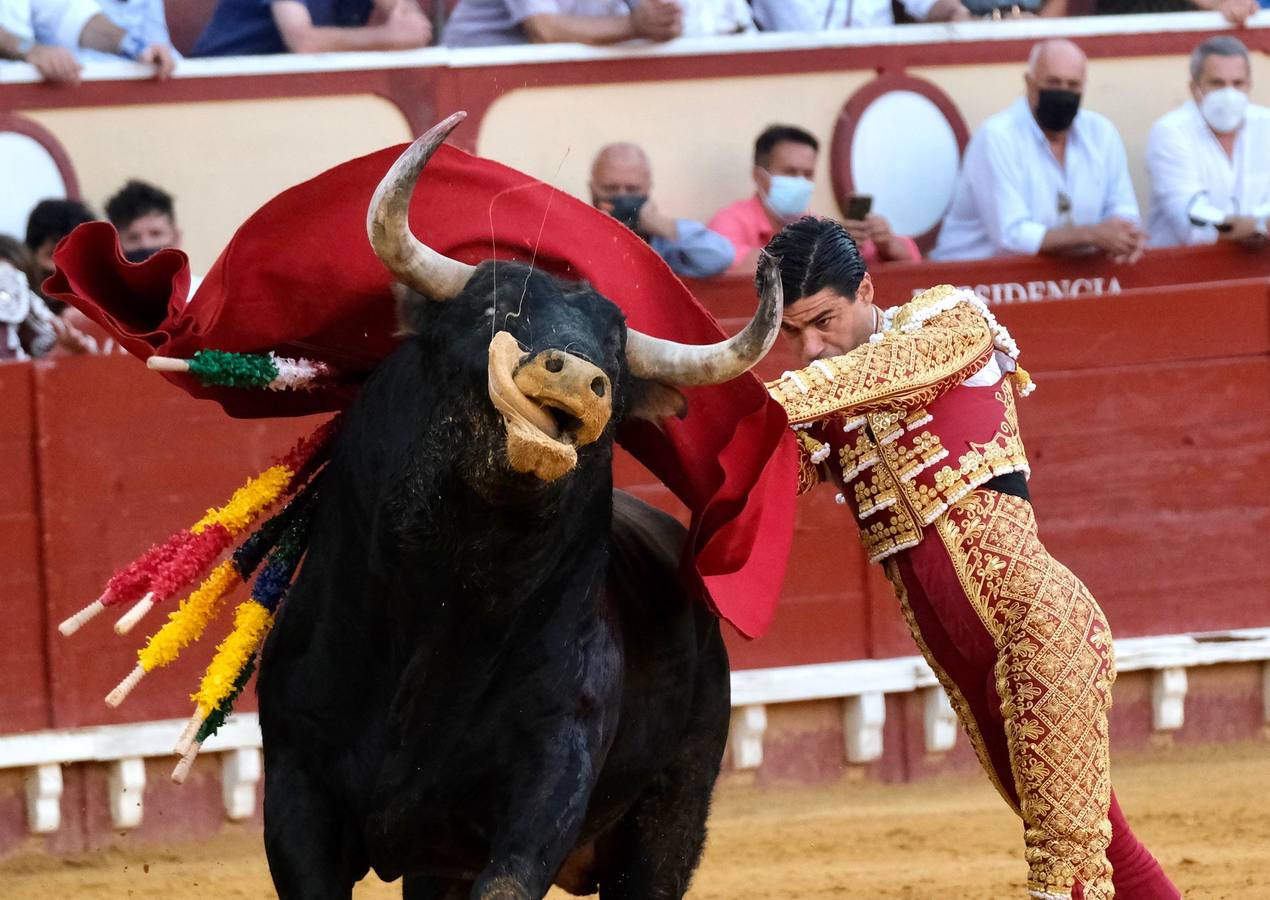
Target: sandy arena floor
x,y
1203,811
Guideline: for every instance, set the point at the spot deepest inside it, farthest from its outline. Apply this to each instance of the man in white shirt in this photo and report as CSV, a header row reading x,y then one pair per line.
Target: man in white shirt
x,y
1209,159
1044,175
485,23
46,34
482,23
147,19
824,15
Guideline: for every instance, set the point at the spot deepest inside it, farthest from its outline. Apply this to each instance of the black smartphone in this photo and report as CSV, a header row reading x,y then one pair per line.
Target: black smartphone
x,y
858,206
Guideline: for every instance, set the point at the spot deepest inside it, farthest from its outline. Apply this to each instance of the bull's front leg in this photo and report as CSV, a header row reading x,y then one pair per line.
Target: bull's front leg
x,y
543,817
306,835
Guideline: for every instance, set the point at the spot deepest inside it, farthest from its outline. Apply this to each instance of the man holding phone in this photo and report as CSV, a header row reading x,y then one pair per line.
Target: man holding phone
x,y
621,179
868,228
784,177
1209,159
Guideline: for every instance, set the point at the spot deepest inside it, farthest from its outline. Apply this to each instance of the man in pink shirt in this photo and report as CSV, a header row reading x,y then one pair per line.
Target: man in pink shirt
x,y
784,173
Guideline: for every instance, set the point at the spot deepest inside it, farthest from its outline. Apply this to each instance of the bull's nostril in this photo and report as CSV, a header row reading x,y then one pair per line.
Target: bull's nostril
x,y
555,364
597,386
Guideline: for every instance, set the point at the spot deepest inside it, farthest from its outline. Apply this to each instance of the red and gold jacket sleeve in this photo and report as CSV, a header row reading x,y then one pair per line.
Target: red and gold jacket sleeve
x,y
935,343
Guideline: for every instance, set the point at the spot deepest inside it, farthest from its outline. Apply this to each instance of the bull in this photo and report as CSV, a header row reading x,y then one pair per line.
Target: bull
x,y
488,677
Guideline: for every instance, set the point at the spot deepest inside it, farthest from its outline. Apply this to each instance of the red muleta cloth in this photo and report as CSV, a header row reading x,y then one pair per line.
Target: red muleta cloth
x,y
299,278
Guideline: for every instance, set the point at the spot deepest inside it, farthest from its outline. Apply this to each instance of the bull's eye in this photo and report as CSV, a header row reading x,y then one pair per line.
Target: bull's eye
x,y
555,364
597,386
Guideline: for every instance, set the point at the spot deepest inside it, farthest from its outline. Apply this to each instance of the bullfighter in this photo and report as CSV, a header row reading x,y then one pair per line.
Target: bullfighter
x,y
910,412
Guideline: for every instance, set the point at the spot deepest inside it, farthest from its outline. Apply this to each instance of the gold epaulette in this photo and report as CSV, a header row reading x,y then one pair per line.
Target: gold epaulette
x,y
928,303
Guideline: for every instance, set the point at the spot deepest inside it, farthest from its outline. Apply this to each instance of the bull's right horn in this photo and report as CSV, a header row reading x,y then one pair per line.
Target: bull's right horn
x,y
691,365
412,262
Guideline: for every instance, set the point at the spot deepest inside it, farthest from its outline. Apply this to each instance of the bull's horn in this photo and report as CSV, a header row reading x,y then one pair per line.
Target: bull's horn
x,y
691,365
412,262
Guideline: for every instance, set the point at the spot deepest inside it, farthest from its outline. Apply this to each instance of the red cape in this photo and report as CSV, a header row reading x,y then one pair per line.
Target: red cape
x,y
299,278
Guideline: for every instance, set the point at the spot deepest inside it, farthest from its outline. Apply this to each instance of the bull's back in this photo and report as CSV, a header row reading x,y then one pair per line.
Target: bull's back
x,y
651,600
676,680
643,531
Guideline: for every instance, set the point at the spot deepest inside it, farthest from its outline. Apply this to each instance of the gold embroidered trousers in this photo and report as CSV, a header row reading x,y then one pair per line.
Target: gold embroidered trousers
x,y
1025,655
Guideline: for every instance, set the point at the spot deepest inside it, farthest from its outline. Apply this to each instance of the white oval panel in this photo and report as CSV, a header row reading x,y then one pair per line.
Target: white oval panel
x,y
905,155
28,175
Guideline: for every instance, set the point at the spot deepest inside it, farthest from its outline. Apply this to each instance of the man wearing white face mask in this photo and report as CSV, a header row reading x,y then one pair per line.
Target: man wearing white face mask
x,y
1209,159
784,169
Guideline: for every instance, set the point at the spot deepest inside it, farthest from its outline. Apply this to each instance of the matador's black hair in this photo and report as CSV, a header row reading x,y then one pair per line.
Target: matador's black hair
x,y
815,254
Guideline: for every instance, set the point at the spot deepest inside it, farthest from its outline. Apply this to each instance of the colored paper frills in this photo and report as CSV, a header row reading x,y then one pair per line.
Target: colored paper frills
x,y
220,368
187,623
251,621
166,568
253,617
235,660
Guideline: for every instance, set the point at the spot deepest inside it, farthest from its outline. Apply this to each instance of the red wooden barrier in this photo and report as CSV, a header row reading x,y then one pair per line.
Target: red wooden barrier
x,y
1027,279
24,695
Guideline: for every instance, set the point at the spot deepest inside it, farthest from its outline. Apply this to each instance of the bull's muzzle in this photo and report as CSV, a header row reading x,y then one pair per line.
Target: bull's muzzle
x,y
552,403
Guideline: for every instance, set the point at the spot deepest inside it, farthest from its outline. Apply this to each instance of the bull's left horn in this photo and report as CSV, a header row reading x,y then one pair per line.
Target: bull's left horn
x,y
411,261
692,365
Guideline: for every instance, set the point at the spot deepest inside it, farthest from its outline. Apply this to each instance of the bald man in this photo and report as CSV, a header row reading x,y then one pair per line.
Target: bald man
x,y
621,179
1044,175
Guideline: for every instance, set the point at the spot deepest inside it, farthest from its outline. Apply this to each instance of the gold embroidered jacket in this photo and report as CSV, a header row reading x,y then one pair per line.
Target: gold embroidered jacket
x,y
911,422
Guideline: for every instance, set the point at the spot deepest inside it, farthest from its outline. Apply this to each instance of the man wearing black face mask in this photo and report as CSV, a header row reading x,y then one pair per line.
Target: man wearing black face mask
x,y
1045,176
621,179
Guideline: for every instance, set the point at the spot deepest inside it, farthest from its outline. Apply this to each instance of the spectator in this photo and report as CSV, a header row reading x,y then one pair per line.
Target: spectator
x,y
49,222
146,19
485,23
826,15
25,322
144,217
621,179
1209,159
28,328
1044,176
46,33
1236,12
784,172
705,18
245,27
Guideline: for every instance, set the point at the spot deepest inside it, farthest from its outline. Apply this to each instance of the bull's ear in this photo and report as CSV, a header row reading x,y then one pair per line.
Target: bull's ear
x,y
655,401
410,306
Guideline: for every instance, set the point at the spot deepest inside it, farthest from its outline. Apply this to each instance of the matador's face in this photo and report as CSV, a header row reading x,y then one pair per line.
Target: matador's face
x,y
827,323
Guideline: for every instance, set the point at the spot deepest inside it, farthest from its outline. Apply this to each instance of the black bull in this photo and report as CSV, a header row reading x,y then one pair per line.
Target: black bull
x,y
484,680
